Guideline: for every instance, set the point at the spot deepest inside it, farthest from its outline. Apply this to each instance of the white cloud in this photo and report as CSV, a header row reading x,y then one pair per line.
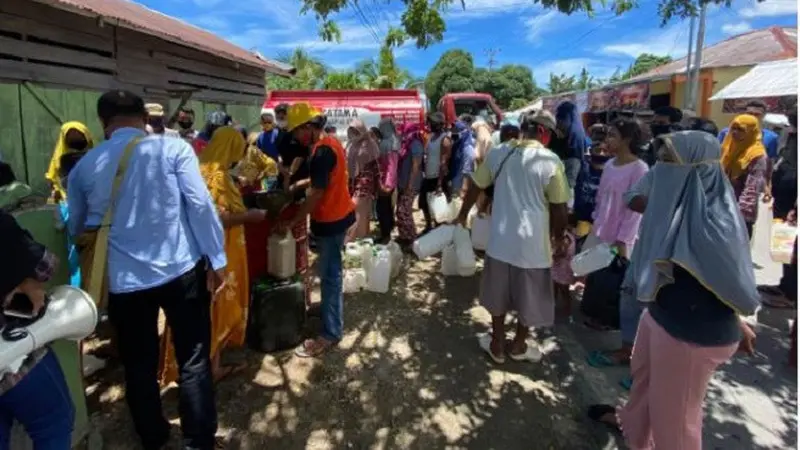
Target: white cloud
x,y
769,8
671,41
476,9
736,28
354,37
541,24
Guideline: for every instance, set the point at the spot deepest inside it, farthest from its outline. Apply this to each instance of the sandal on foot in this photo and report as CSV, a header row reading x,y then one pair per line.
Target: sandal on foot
x,y
532,354
778,303
485,342
601,359
229,370
313,348
597,412
597,326
771,290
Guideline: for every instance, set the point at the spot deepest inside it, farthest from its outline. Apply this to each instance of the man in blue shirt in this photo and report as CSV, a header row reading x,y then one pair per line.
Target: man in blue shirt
x,y
165,250
769,138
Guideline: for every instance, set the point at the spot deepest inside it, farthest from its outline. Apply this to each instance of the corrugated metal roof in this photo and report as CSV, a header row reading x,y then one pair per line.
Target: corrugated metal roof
x,y
138,17
772,79
748,49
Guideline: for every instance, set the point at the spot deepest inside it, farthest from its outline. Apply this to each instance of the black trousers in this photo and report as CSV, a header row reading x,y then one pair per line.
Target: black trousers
x,y
430,185
187,304
385,211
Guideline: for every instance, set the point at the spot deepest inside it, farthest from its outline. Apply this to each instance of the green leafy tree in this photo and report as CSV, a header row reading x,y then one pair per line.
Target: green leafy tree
x,y
509,82
453,72
585,81
342,80
561,83
645,63
423,20
310,73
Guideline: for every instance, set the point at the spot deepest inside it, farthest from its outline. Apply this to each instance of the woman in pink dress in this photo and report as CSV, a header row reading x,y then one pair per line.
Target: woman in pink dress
x,y
362,165
614,223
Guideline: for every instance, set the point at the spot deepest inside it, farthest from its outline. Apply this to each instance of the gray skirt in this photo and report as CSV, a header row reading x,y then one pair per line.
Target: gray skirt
x,y
529,292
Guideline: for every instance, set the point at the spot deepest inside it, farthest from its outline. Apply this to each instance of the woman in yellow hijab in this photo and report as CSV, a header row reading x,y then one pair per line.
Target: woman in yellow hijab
x,y
229,307
255,166
745,162
74,137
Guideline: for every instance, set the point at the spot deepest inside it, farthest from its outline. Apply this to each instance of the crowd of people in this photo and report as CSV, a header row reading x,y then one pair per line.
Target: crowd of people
x,y
159,219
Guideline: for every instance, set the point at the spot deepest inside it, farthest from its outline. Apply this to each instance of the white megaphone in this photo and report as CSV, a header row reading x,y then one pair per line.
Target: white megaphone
x,y
70,314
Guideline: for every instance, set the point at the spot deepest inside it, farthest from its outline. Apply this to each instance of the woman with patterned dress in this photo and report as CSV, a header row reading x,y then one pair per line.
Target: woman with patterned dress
x,y
229,308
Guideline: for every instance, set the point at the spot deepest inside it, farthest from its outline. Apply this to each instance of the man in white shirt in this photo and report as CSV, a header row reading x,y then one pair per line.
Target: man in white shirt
x,y
529,210
155,121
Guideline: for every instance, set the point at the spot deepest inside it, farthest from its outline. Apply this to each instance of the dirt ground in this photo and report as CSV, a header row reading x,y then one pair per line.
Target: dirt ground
x,y
407,375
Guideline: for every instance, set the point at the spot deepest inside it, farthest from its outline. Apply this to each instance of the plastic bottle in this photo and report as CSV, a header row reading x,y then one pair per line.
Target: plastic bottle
x,y
379,271
282,253
433,242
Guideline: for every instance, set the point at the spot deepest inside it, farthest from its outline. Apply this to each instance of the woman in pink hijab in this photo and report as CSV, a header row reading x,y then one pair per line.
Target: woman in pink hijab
x,y
362,165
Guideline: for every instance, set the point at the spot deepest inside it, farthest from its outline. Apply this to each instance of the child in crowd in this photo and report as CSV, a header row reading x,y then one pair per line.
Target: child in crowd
x,y
563,276
588,182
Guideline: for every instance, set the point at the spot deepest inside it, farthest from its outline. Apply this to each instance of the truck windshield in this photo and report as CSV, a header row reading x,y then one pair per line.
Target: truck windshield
x,y
476,108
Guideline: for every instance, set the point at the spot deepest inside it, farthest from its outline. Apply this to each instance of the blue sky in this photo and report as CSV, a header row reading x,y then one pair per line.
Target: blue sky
x,y
523,32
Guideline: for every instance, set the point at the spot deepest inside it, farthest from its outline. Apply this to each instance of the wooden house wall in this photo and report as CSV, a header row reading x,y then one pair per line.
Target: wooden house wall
x,y
54,65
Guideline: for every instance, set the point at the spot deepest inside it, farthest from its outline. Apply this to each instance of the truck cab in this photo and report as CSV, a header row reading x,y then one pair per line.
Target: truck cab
x,y
474,103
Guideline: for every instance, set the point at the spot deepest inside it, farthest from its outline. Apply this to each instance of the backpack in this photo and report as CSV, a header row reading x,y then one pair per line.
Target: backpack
x,y
461,137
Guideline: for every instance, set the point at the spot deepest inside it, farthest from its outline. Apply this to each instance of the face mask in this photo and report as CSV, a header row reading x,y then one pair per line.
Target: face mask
x,y
599,159
658,129
281,123
185,124
78,144
545,137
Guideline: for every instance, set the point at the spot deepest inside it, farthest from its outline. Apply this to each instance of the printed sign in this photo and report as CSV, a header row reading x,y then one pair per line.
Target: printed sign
x,y
632,96
599,100
776,105
341,117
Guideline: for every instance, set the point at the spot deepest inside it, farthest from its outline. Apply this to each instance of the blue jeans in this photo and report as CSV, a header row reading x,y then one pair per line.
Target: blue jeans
x,y
630,309
41,403
330,275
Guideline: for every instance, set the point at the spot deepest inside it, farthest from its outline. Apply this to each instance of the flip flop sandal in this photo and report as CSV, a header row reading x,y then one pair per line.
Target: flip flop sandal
x,y
626,383
532,354
304,351
770,290
596,326
600,360
227,371
597,412
778,303
485,342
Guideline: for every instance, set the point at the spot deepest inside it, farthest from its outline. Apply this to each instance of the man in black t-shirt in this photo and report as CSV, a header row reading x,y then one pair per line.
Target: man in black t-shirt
x,y
292,157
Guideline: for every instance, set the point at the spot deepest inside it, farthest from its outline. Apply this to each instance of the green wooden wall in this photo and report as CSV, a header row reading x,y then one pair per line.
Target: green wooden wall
x,y
32,116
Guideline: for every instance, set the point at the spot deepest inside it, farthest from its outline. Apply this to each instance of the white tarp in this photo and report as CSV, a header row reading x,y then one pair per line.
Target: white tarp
x,y
535,106
772,79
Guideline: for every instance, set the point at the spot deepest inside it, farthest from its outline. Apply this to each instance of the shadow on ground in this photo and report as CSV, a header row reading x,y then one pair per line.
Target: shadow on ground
x,y
408,375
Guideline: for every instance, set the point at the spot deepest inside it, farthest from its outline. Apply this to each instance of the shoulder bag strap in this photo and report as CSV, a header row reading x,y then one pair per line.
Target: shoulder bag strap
x,y
100,255
503,163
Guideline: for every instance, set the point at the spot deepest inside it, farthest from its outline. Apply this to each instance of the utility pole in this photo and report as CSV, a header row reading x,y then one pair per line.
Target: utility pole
x,y
491,53
686,85
698,55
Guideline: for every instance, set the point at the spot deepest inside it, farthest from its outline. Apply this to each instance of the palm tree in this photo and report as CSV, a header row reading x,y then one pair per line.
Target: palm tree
x,y
384,73
310,72
345,80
